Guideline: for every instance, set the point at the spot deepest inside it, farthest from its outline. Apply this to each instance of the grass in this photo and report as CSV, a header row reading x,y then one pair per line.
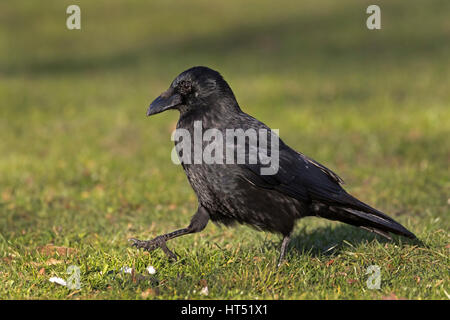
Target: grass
x,y
82,169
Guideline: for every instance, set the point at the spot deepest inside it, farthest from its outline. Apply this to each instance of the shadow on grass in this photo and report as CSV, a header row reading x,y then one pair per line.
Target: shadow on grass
x,y
328,240
276,44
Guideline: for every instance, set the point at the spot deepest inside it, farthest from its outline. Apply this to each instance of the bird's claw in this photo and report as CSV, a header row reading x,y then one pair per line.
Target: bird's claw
x,y
150,245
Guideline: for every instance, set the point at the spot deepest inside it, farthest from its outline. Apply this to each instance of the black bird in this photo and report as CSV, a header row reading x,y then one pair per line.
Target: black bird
x,y
239,193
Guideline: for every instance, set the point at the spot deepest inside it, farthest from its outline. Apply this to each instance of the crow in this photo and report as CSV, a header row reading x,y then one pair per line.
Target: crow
x,y
234,192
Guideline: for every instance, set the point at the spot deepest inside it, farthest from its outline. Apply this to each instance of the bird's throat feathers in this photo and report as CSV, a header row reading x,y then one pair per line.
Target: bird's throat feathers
x,y
213,114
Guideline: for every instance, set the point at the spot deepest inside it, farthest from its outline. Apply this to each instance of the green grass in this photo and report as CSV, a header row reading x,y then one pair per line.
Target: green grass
x,y
81,167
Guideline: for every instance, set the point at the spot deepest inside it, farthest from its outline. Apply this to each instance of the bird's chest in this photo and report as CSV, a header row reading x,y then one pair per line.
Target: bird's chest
x,y
210,183
202,149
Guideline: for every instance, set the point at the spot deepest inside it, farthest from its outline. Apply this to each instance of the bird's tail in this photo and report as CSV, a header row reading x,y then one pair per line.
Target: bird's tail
x,y
350,210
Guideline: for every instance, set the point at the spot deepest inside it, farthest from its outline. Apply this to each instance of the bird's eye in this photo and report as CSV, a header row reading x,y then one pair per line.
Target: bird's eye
x,y
185,87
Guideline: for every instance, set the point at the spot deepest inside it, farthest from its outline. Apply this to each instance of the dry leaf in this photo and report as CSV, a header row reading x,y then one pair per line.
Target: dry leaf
x,y
204,291
392,296
51,249
52,261
49,262
58,280
149,292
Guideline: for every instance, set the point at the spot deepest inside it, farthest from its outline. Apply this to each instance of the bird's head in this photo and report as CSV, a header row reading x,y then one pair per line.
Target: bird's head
x,y
195,88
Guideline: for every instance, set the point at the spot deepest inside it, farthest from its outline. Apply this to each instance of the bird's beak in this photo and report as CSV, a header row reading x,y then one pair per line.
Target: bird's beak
x,y
167,100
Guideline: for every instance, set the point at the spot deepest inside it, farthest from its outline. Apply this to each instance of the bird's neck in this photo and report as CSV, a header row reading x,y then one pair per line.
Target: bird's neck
x,y
215,115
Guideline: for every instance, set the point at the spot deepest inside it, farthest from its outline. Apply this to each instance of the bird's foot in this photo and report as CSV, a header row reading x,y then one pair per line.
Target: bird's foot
x,y
150,245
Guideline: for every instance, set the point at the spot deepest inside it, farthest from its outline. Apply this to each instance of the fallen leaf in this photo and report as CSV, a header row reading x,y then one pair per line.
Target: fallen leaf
x,y
49,262
58,281
51,249
204,291
52,261
329,262
149,292
42,271
392,296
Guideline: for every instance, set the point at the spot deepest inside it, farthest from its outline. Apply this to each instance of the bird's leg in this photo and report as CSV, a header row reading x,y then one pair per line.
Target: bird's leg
x,y
198,223
159,242
284,246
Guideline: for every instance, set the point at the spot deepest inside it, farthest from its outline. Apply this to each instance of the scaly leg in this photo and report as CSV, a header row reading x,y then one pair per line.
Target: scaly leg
x,y
284,246
198,223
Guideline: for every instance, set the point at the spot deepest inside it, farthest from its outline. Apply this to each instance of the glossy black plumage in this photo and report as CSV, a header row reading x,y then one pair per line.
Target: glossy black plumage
x,y
239,193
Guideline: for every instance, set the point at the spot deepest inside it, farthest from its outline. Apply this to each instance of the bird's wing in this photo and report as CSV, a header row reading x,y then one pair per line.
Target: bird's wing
x,y
307,180
324,169
298,176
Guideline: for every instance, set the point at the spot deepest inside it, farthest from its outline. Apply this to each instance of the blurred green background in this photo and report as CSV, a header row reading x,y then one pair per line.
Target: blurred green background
x,y
82,167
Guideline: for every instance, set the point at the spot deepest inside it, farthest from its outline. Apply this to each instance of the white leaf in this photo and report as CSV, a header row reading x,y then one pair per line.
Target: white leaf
x,y
204,291
58,281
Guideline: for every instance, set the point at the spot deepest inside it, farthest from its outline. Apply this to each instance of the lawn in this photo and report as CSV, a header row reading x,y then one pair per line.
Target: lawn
x,y
82,169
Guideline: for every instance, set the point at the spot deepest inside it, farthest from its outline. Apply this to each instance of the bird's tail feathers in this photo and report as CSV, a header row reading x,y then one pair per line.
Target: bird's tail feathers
x,y
359,214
